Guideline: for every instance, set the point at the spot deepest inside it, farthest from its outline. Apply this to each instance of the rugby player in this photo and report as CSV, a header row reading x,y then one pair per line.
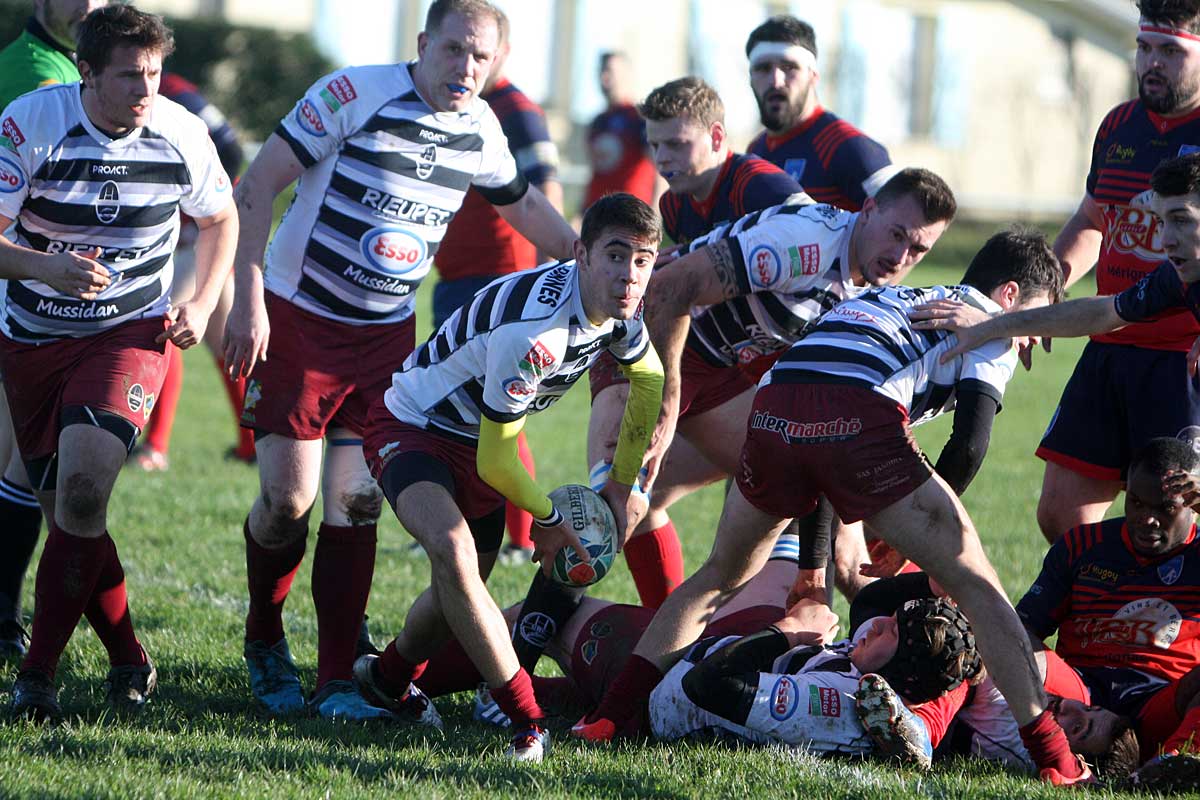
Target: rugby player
x,y
834,416
616,138
384,155
480,246
709,184
750,289
835,162
1105,414
82,374
44,54
442,444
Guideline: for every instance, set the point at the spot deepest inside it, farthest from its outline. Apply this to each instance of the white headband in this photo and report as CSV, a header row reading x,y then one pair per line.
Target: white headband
x,y
783,51
1182,37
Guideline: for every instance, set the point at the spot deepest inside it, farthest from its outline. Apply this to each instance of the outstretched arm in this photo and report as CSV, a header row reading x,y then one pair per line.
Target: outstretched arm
x,y
537,220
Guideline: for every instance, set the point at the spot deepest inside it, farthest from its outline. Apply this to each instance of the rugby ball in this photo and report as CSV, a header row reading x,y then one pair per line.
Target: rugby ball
x,y
593,522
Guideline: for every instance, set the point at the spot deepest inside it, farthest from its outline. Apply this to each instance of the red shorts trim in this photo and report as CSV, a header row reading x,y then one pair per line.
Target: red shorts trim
x,y
1084,468
321,373
385,437
703,386
848,443
1064,681
119,370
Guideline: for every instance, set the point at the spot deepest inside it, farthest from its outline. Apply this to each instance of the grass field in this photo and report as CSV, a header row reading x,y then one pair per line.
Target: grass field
x,y
180,538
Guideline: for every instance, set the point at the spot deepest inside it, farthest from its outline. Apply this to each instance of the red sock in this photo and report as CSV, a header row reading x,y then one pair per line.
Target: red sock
x,y
937,714
158,432
626,700
108,611
66,576
343,565
235,390
396,672
1187,734
269,574
517,520
450,670
656,562
1048,746
517,700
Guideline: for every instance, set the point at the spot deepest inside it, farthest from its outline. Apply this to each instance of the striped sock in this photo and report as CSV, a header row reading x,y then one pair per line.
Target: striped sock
x,y
21,521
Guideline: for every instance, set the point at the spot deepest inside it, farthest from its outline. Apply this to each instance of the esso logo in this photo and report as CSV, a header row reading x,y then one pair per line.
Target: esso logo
x,y
785,697
394,251
10,176
310,119
764,266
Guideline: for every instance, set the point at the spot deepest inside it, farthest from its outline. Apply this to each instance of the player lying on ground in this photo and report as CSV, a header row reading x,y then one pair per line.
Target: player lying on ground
x,y
442,444
834,415
83,354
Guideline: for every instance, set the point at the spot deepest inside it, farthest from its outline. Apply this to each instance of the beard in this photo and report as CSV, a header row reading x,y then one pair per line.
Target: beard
x,y
786,116
1172,98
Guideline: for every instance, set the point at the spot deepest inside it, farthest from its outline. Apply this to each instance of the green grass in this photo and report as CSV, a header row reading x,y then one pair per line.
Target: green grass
x,y
181,543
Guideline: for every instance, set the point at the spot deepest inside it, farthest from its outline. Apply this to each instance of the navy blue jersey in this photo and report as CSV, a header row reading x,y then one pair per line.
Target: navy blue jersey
x,y
1113,608
746,183
184,92
834,161
1159,294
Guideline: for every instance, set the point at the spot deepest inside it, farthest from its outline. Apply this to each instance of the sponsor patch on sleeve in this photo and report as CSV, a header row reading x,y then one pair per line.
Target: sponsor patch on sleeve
x,y
11,179
805,259
13,132
824,702
337,93
309,119
764,266
537,360
519,389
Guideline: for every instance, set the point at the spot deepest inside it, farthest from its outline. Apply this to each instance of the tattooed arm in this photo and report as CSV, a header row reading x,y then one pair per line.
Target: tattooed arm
x,y
701,278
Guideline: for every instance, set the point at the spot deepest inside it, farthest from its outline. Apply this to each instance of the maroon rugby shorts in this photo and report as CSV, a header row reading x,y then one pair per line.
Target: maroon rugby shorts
x,y
604,645
320,372
386,437
119,370
703,385
849,443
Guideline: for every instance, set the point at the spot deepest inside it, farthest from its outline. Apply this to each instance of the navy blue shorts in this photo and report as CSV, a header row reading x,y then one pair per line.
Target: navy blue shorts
x,y
1119,689
1119,398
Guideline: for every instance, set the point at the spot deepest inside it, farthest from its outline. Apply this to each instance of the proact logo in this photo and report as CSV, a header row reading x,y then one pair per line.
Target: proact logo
x,y
108,202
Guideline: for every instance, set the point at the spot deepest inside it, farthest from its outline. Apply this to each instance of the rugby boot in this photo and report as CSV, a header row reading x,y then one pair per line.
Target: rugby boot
x,y
34,697
595,730
897,732
274,679
531,744
129,686
364,646
488,710
412,706
340,701
1169,773
14,640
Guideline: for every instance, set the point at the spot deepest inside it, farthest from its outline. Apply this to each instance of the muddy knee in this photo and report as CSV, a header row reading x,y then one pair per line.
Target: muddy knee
x,y
81,498
363,504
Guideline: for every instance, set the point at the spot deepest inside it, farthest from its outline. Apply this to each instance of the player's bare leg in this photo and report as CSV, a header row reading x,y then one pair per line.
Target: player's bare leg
x,y
849,554
1070,499
276,531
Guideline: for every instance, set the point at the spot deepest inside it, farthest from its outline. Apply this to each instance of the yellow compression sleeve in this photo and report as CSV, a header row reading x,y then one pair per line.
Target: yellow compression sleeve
x,y
641,415
500,467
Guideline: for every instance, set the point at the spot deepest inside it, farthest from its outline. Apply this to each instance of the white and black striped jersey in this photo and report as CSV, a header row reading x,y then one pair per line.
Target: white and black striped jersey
x,y
516,348
870,342
71,187
793,266
384,176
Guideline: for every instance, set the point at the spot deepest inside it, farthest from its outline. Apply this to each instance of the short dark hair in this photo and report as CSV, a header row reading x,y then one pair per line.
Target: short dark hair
x,y
609,55
1182,14
1177,176
931,193
1021,255
119,25
620,210
935,650
470,9
784,28
687,97
1165,454
1122,757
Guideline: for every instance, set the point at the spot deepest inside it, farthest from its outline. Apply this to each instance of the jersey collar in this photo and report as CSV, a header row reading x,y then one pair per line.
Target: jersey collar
x,y
1167,124
802,127
35,29
705,206
103,138
1142,560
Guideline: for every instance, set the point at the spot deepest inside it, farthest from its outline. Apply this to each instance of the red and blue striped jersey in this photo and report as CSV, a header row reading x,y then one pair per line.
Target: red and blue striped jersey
x,y
746,183
1113,608
1129,145
834,161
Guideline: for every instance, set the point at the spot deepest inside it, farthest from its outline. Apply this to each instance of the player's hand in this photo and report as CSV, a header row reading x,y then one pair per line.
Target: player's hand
x,y
78,275
188,323
1185,485
809,622
668,254
627,508
247,333
660,440
548,540
946,315
886,562
809,585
